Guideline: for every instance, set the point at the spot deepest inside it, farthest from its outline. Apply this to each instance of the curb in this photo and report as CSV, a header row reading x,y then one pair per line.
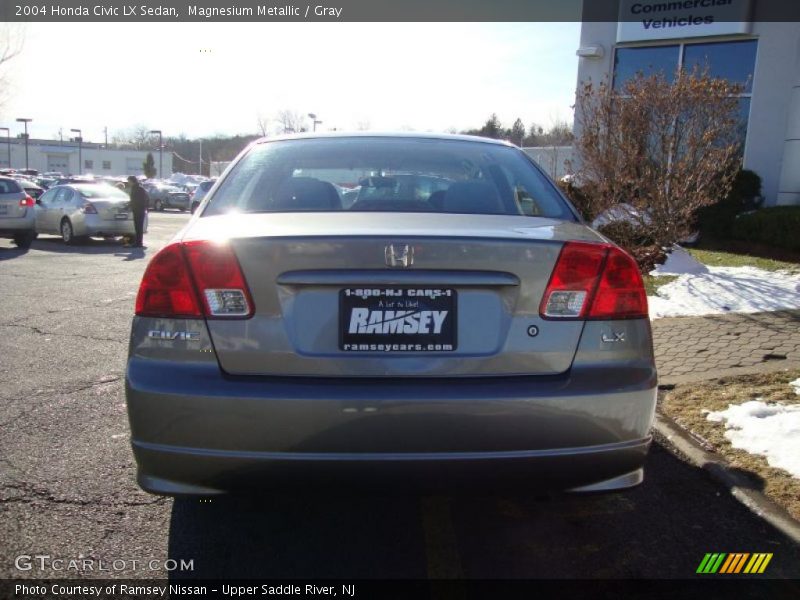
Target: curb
x,y
679,442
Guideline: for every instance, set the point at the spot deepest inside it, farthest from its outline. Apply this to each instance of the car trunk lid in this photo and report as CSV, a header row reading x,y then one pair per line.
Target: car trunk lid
x,y
308,274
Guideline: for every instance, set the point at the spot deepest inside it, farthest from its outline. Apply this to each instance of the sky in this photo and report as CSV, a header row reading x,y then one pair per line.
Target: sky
x,y
202,79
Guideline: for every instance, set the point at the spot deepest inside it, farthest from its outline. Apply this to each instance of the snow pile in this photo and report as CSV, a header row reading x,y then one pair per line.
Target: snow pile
x,y
771,430
702,290
679,262
620,212
796,385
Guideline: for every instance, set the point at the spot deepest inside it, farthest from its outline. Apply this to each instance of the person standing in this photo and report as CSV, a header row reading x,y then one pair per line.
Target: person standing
x,y
139,202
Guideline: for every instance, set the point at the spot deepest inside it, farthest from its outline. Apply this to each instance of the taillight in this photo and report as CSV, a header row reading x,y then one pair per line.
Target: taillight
x,y
594,281
219,279
89,209
27,202
166,289
194,279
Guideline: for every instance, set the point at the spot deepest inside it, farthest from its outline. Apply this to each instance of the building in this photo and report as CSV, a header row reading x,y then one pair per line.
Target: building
x,y
68,158
730,38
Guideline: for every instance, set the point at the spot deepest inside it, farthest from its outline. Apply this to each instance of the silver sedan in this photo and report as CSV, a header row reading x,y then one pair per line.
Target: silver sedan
x,y
84,210
457,320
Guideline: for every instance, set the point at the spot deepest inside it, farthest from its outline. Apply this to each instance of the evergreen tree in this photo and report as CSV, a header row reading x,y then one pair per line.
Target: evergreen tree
x,y
149,166
518,132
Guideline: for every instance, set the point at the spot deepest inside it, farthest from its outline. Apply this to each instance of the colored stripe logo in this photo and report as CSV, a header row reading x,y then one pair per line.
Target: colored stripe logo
x,y
735,562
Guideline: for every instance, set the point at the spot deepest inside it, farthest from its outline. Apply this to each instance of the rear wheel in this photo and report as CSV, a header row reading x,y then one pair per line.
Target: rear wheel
x,y
24,240
67,233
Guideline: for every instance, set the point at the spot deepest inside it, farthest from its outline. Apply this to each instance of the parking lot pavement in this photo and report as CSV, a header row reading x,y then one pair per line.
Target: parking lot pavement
x,y
67,475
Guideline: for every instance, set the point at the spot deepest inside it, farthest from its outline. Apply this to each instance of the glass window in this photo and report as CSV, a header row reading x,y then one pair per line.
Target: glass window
x,y
9,186
734,61
107,165
386,174
630,61
48,197
60,195
88,164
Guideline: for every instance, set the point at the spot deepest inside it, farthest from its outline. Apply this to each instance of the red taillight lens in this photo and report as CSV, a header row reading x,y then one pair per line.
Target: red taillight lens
x,y
27,202
219,279
89,209
620,293
594,281
178,272
166,289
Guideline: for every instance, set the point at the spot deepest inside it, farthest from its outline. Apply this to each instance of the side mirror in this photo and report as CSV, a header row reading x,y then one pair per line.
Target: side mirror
x,y
39,201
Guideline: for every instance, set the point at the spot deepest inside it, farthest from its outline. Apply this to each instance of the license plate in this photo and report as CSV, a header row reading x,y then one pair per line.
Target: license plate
x,y
122,216
407,319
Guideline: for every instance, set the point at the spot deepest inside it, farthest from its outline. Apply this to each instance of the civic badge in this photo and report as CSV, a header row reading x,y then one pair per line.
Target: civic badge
x,y
399,255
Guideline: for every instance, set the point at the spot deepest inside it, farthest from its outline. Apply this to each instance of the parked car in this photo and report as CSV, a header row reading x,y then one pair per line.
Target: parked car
x,y
200,193
16,213
33,190
281,337
80,210
164,196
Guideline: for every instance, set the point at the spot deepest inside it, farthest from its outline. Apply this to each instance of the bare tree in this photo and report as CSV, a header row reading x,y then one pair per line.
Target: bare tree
x,y
662,149
290,121
11,41
262,123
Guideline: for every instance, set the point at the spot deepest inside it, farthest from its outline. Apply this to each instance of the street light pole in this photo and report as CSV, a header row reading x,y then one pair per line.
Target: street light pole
x,y
160,153
25,137
79,139
8,143
313,118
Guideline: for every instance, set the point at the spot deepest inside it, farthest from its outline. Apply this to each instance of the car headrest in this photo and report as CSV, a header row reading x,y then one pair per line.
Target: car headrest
x,y
473,197
306,193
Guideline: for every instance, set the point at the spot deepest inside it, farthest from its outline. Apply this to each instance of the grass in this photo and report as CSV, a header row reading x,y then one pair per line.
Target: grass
x,y
721,258
686,405
651,284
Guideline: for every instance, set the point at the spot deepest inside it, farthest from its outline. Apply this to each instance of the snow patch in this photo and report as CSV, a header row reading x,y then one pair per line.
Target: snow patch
x,y
720,290
769,430
796,385
679,262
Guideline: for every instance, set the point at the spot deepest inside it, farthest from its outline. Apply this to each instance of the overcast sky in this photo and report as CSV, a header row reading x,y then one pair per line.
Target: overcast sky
x,y
201,79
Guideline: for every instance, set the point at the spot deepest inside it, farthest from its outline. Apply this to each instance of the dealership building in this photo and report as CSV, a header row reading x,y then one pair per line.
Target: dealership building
x,y
68,158
729,38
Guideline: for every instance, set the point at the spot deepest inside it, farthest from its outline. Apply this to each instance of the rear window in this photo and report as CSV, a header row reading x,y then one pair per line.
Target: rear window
x,y
101,191
387,174
9,186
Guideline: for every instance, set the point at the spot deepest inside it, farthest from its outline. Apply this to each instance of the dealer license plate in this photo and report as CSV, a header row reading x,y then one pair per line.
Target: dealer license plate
x,y
407,319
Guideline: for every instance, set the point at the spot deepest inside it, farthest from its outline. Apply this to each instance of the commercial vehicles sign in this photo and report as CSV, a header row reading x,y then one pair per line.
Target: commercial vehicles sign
x,y
644,20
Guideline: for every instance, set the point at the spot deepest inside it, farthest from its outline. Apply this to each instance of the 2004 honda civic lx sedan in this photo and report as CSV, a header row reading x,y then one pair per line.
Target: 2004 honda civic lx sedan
x,y
455,321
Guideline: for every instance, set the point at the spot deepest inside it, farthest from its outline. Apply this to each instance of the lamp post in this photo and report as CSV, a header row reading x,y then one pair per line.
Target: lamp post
x,y
8,143
313,118
79,139
25,137
160,153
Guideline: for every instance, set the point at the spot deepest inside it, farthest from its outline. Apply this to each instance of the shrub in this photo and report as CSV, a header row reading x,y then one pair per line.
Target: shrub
x,y
636,242
778,226
718,219
579,197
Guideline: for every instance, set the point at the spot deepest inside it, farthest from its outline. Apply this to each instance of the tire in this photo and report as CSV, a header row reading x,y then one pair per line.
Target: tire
x,y
158,205
24,240
67,233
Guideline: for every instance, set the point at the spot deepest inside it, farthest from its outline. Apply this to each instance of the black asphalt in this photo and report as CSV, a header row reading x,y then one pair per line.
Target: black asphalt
x,y
67,485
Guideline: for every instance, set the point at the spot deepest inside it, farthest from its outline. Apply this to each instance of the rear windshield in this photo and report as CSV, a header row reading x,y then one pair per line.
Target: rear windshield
x,y
101,191
387,174
9,186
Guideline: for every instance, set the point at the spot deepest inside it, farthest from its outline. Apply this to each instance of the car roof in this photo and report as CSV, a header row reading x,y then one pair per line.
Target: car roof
x,y
373,134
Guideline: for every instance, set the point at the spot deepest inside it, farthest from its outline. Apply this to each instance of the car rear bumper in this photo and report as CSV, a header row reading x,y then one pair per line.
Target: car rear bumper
x,y
197,431
12,226
97,227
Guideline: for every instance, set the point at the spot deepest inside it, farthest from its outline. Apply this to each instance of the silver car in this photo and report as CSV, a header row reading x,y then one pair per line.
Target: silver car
x,y
440,334
81,210
16,213
167,196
